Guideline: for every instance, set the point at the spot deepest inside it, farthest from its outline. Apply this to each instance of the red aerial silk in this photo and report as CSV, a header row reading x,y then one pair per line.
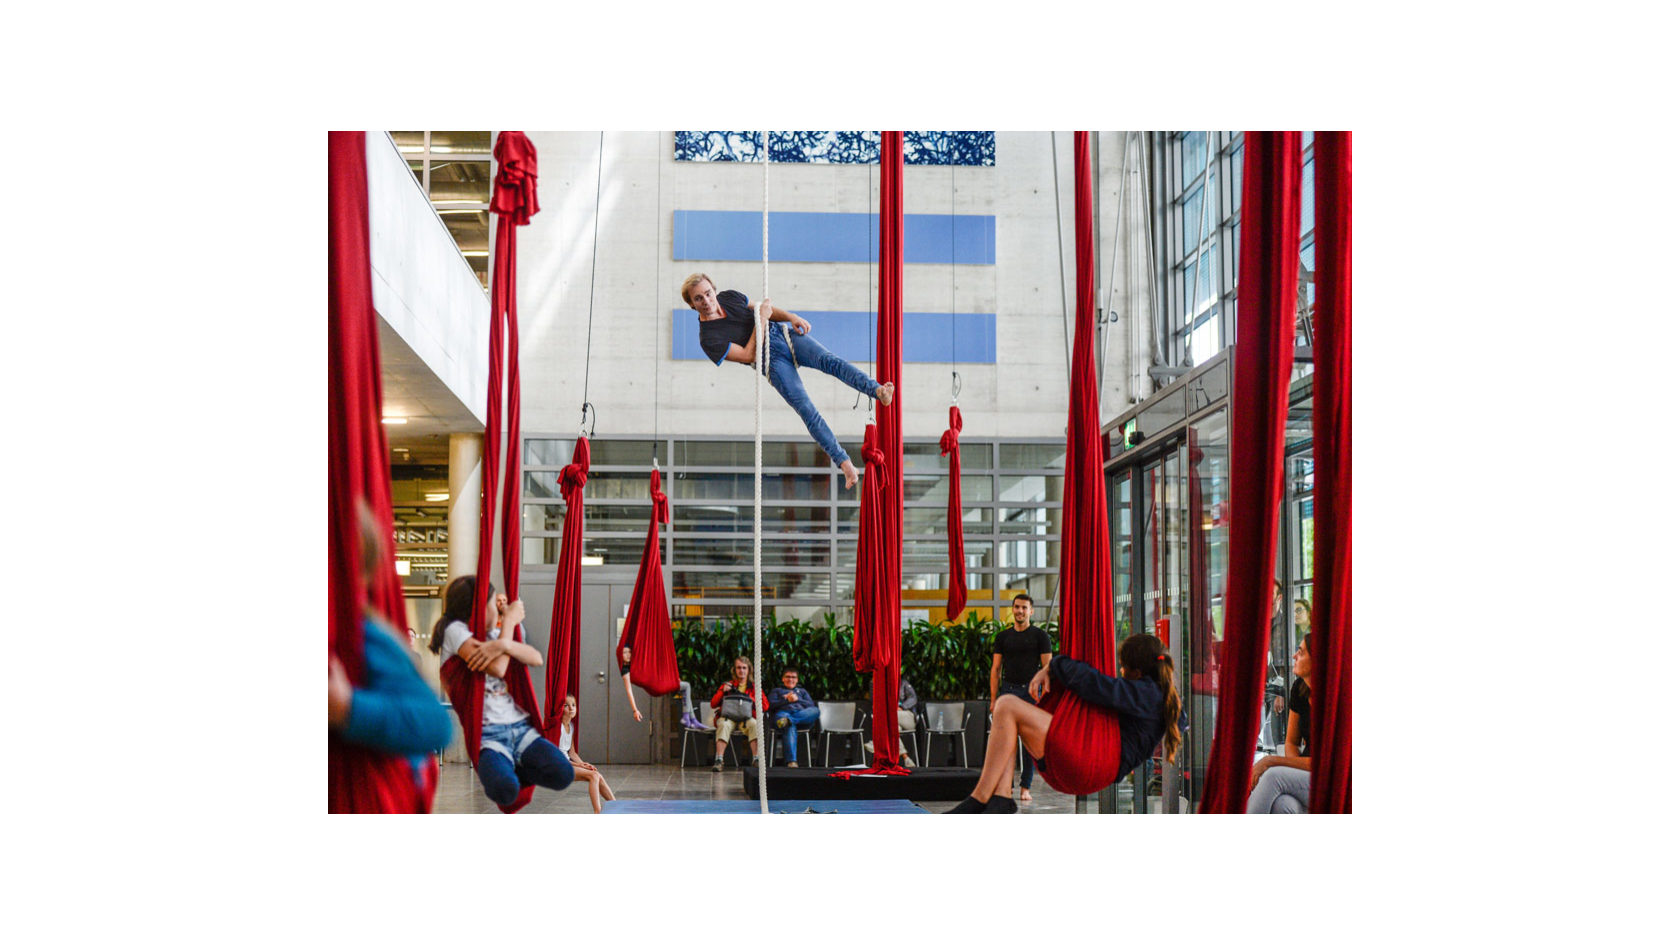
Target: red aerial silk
x,y
514,200
564,652
647,629
359,780
1082,746
957,597
1265,351
876,641
1332,672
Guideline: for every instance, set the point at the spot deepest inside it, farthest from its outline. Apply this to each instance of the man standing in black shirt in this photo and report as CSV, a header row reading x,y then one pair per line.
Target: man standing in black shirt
x,y
1018,654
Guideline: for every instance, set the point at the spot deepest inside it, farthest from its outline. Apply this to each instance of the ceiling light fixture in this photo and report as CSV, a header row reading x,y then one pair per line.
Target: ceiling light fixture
x,y
393,419
402,567
437,497
590,561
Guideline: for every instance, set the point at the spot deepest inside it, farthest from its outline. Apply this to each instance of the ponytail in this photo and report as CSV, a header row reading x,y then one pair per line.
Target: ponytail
x,y
1143,654
1171,706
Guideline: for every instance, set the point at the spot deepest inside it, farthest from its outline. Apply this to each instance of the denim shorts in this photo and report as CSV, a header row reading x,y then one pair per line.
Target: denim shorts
x,y
509,740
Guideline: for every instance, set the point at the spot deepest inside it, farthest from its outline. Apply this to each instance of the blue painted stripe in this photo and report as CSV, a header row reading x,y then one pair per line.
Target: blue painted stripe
x,y
831,237
928,336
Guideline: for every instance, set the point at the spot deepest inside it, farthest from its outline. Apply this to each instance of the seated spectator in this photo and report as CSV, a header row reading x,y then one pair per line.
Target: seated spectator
x,y
791,708
738,691
906,721
1282,784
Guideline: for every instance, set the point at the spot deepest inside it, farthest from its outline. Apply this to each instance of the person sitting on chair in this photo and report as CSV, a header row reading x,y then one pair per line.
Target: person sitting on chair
x,y
791,708
738,692
906,722
728,332
1282,784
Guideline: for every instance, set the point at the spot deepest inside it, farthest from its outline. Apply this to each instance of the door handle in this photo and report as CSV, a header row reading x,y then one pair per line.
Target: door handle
x,y
601,676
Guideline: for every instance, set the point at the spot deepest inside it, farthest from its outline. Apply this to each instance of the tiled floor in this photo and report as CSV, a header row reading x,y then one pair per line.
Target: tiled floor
x,y
459,792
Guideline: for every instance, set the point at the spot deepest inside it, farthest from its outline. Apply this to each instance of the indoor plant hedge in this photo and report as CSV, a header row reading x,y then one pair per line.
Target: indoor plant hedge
x,y
944,662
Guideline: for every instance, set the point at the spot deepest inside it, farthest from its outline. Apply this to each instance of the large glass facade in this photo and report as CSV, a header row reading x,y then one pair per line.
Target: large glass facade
x,y
455,170
1012,496
1198,185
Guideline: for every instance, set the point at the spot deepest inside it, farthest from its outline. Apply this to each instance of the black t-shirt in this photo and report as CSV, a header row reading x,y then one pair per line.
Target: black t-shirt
x,y
1302,706
1020,650
735,327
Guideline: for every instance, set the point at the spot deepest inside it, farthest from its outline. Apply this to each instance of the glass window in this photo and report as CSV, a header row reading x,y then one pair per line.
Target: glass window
x,y
1029,488
938,488
1195,228
731,552
461,142
740,486
1032,455
734,518
925,458
1024,521
1028,554
1194,151
708,453
1306,197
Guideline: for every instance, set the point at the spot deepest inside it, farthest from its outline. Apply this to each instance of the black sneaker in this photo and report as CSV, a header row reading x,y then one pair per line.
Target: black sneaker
x,y
968,806
1000,805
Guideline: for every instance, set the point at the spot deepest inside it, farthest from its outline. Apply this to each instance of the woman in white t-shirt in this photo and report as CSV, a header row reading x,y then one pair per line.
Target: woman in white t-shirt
x,y
512,753
586,772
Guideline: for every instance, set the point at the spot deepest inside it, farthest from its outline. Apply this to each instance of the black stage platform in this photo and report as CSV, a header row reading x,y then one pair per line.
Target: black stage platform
x,y
921,784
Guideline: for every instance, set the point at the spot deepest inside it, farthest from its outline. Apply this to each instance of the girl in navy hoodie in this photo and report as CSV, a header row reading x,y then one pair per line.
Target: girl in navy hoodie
x,y
1144,697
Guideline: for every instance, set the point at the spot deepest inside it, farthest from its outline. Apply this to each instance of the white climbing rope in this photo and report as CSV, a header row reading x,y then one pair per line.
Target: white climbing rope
x,y
762,333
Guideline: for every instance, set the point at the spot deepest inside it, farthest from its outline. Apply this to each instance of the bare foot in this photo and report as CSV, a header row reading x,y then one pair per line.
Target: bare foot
x,y
1026,796
884,393
851,473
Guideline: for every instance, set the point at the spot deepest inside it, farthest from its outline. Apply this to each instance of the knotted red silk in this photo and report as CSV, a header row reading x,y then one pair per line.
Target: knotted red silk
x,y
957,597
1082,747
877,636
1265,351
647,628
359,779
1332,671
564,653
514,201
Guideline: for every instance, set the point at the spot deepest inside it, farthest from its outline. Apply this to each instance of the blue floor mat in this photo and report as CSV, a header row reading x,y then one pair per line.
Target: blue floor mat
x,y
893,806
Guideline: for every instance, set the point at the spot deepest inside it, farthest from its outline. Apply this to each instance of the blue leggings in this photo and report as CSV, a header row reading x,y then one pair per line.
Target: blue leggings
x,y
541,764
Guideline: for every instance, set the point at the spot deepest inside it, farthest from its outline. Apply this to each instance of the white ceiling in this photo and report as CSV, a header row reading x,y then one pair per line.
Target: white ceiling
x,y
412,391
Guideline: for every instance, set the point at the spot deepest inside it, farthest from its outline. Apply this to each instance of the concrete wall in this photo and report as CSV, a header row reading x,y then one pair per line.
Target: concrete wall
x,y
422,286
636,281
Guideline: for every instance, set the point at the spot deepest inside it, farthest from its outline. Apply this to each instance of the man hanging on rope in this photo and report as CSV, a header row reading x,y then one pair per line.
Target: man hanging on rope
x,y
727,334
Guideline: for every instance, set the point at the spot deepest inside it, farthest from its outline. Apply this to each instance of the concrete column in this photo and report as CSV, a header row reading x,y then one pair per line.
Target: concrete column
x,y
466,482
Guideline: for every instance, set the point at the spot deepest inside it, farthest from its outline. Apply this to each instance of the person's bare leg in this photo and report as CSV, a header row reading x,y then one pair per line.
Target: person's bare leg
x,y
851,473
606,792
884,393
1014,717
594,781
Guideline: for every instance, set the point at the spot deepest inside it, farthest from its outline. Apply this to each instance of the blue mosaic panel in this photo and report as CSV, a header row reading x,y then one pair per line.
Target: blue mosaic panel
x,y
831,237
963,148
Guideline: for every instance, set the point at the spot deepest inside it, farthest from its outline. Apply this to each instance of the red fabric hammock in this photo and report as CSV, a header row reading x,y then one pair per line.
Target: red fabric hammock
x,y
1082,747
1332,672
564,654
359,779
957,596
515,200
1265,351
647,629
876,639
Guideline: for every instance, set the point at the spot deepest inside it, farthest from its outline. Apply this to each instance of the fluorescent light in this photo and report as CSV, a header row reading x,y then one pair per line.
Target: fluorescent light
x,y
593,560
402,567
437,497
475,253
393,419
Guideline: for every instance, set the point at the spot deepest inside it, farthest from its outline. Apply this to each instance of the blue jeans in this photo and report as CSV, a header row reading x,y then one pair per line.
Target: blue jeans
x,y
796,718
784,377
1281,791
540,762
1026,769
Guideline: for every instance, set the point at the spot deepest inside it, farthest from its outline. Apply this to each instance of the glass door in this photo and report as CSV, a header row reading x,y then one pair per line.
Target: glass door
x,y
1163,580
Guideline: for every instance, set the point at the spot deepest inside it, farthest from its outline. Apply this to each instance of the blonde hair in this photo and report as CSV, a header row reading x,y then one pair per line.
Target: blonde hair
x,y
693,280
